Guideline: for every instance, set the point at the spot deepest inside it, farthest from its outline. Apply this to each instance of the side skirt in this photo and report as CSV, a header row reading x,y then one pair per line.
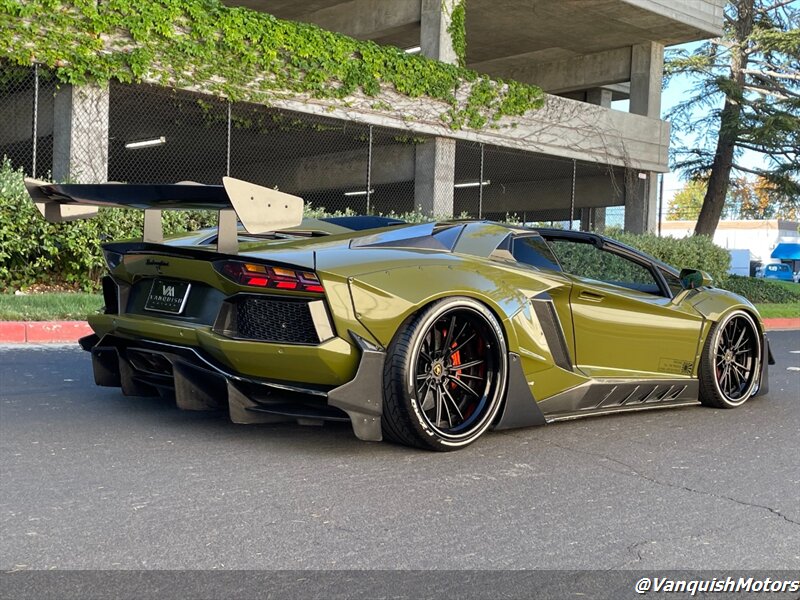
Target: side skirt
x,y
619,395
615,411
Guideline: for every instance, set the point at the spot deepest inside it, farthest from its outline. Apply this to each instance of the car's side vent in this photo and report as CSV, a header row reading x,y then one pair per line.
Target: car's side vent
x,y
271,319
551,326
115,295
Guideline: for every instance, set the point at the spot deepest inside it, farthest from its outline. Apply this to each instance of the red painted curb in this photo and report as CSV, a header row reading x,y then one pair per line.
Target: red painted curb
x,y
12,332
42,332
782,323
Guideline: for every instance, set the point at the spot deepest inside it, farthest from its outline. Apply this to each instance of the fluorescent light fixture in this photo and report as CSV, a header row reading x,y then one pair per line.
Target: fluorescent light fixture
x,y
468,184
159,141
359,193
413,50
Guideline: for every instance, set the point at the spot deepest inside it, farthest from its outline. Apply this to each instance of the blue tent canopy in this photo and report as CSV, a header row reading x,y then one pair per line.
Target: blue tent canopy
x,y
787,251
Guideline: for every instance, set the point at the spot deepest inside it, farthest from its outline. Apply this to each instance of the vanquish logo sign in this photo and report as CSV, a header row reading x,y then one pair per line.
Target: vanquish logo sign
x,y
168,290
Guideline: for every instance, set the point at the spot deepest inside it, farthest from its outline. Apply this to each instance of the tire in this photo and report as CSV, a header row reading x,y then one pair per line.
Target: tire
x,y
444,377
730,366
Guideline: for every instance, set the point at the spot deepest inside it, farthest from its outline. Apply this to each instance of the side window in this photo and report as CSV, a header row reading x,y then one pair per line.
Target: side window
x,y
533,250
586,260
673,281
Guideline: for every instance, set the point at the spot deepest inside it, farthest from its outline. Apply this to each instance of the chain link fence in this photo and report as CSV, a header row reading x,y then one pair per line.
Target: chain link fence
x,y
151,134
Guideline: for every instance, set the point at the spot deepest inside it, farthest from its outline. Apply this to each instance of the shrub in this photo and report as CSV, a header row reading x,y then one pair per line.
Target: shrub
x,y
34,251
762,290
694,252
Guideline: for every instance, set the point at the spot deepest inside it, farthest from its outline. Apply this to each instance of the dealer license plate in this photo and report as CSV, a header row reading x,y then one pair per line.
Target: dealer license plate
x,y
168,296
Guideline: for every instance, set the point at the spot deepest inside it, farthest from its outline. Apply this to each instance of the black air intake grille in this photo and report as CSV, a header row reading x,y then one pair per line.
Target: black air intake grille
x,y
271,320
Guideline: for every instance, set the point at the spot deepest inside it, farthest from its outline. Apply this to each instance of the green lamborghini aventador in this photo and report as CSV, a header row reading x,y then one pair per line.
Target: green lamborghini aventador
x,y
426,335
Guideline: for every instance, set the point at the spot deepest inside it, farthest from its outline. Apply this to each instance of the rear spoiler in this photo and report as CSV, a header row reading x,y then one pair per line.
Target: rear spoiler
x,y
259,209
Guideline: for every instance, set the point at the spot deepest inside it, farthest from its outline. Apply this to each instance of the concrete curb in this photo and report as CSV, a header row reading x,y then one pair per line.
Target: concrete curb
x,y
59,332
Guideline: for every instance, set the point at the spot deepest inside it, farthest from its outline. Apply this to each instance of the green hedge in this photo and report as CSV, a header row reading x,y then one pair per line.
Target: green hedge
x,y
35,251
763,290
694,252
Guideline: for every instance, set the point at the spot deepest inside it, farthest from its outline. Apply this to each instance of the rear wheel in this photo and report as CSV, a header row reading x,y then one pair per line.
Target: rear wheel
x,y
444,376
731,363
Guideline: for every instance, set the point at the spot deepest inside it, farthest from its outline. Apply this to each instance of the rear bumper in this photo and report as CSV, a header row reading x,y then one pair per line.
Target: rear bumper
x,y
329,363
199,382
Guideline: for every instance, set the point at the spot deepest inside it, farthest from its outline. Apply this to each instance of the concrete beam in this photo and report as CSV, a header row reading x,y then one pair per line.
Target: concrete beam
x,y
706,15
80,134
564,75
367,19
530,196
337,170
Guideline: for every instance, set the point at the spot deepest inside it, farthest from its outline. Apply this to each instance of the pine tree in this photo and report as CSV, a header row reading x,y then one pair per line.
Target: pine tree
x,y
747,83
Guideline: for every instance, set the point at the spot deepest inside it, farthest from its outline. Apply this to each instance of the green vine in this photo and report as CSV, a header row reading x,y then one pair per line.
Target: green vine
x,y
458,31
238,54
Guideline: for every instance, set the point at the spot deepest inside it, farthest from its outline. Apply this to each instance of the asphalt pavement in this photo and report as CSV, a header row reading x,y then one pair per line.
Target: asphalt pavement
x,y
90,479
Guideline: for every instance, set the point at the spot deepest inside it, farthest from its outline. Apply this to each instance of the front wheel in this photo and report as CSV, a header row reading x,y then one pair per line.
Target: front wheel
x,y
445,376
731,363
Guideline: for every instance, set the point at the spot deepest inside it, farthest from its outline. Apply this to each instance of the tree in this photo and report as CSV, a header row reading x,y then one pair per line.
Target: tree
x,y
747,86
687,201
762,199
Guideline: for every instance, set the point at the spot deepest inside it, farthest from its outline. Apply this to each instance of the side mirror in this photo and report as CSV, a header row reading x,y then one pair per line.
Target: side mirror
x,y
692,278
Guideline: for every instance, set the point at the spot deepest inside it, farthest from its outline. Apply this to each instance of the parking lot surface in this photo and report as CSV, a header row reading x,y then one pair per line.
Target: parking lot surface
x,y
94,480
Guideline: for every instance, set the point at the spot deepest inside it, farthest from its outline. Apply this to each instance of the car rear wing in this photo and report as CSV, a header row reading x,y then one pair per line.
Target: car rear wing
x,y
259,209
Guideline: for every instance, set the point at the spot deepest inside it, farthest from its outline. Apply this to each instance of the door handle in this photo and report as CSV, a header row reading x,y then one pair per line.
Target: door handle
x,y
591,296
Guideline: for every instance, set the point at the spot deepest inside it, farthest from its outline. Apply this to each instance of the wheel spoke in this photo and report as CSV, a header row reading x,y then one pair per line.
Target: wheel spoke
x,y
438,395
723,382
741,372
465,375
461,332
446,407
466,365
461,345
422,395
740,340
463,386
744,368
448,339
452,400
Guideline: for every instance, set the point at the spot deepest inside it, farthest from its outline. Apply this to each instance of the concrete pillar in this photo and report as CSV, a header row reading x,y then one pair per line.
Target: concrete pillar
x,y
599,219
595,218
647,71
600,96
434,176
435,160
80,134
434,40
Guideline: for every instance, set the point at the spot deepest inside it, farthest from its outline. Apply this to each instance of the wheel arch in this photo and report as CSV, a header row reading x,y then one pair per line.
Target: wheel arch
x,y
384,301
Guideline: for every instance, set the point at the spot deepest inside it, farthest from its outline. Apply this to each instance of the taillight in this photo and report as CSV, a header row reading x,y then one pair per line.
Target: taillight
x,y
265,276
